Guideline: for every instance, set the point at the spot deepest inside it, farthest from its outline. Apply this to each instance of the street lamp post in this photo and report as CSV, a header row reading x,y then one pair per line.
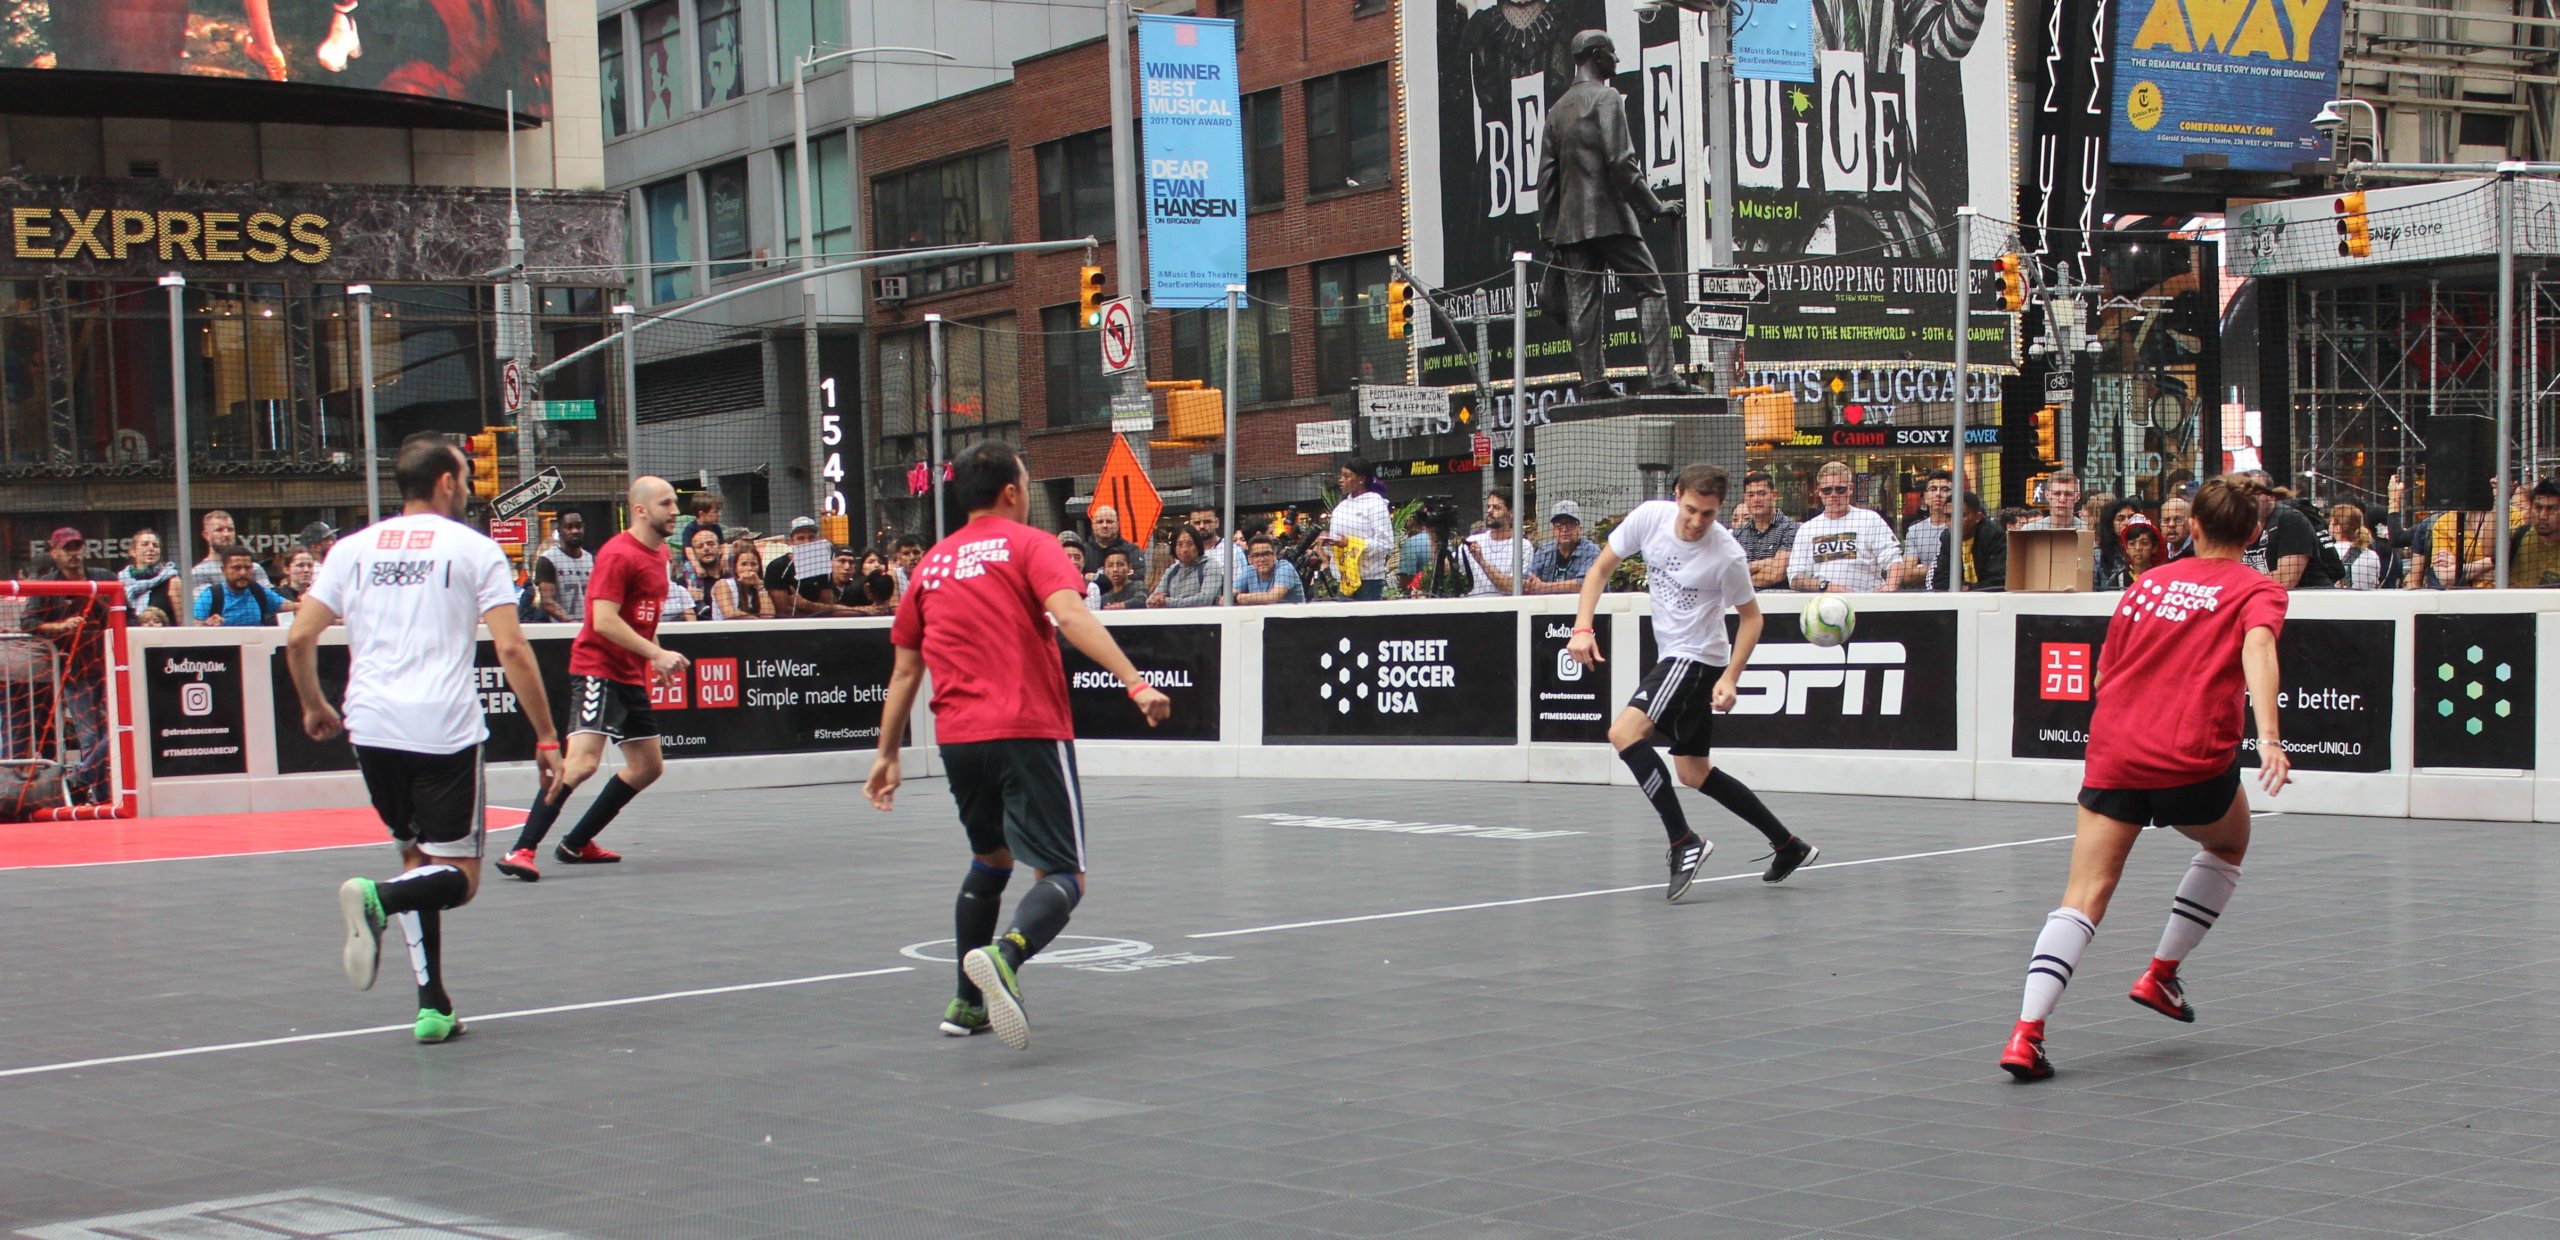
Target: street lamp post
x,y
809,249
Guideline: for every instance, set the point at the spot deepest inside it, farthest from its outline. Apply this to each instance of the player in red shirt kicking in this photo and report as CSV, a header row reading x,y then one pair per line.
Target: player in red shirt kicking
x,y
984,611
2164,749
610,665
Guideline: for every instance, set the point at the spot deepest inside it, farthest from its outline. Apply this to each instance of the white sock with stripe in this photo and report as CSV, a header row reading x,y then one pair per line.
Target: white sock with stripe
x,y
2202,895
2066,934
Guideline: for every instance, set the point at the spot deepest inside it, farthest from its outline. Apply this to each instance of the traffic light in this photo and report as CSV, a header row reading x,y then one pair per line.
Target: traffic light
x,y
2013,282
1089,295
1399,309
484,465
2048,448
2355,232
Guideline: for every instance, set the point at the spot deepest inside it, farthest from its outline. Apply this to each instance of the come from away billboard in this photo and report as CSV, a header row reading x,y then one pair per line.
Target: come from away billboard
x,y
2236,78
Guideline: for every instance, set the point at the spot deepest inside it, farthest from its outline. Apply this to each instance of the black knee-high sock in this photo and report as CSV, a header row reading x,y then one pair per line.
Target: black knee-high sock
x,y
973,918
1654,780
1731,794
599,815
424,928
537,821
427,887
1040,915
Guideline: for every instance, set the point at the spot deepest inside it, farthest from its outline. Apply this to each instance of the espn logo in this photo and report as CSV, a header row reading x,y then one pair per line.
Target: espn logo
x,y
1784,675
715,684
2062,672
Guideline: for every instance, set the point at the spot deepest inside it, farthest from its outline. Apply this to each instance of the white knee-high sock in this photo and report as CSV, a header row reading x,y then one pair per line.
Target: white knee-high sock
x,y
2066,934
2202,895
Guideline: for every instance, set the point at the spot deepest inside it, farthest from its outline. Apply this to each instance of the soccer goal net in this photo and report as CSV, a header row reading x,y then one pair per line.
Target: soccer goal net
x,y
66,735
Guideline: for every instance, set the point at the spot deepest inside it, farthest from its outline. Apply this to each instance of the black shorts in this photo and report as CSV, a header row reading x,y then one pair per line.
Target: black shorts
x,y
2188,805
1022,795
433,802
618,711
1679,696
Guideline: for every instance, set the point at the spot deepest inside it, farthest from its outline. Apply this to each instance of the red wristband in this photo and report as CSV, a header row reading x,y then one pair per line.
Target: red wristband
x,y
1580,632
1135,690
542,745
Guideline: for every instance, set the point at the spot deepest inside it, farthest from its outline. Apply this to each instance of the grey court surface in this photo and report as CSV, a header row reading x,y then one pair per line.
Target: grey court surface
x,y
1251,1041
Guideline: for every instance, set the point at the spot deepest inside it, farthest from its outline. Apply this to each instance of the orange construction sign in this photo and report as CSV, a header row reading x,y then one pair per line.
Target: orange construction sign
x,y
1125,490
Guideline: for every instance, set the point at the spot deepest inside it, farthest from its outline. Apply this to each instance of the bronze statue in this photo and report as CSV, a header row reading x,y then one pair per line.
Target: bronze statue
x,y
1590,186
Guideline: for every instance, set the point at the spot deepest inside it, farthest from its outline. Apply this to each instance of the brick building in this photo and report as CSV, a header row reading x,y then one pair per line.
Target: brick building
x,y
1030,159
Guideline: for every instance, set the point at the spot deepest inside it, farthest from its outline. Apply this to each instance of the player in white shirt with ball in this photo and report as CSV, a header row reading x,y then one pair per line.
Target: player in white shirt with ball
x,y
1695,570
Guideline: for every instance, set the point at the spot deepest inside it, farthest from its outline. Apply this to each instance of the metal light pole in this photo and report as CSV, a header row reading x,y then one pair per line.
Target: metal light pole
x,y
630,397
177,286
1953,552
2506,361
1520,524
941,521
801,173
1227,478
1126,231
363,293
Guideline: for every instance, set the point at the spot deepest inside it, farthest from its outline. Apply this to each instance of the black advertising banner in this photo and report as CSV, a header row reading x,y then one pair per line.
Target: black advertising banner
x,y
784,691
813,690
1180,660
1430,678
197,718
2055,688
2475,680
2334,703
1849,163
1892,686
1567,702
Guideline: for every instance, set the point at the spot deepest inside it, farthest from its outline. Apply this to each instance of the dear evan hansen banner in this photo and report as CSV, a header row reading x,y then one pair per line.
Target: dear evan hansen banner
x,y
1194,118
2239,78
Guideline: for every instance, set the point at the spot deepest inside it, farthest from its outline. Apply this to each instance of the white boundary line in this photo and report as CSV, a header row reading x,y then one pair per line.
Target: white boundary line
x,y
336,1034
1606,891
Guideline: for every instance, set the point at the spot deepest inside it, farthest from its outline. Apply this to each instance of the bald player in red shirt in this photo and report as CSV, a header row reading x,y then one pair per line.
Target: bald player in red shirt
x,y
610,667
984,611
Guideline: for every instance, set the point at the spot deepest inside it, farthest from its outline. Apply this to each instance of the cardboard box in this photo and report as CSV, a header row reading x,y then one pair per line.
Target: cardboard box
x,y
2051,561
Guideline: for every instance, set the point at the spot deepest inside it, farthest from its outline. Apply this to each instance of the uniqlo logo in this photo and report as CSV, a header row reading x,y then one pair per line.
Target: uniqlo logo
x,y
420,540
715,684
389,540
2065,674
664,696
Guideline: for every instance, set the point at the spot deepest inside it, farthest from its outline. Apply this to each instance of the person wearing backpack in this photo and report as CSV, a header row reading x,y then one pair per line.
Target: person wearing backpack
x,y
238,600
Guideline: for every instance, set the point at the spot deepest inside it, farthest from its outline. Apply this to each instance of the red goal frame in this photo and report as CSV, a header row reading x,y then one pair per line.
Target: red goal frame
x,y
123,800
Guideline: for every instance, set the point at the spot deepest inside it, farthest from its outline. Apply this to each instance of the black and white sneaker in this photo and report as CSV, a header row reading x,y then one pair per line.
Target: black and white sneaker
x,y
1684,859
1790,855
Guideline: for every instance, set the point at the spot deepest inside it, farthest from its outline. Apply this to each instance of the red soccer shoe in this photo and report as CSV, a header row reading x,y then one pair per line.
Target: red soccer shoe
x,y
519,864
2025,1057
2158,990
587,854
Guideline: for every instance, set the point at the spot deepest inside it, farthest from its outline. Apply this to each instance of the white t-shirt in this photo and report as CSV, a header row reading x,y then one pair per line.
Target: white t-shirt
x,y
1851,552
1503,555
1692,583
1924,540
412,591
1366,517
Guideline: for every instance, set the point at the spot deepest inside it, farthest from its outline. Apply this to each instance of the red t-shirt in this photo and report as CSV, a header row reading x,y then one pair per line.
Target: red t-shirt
x,y
628,573
2171,694
975,609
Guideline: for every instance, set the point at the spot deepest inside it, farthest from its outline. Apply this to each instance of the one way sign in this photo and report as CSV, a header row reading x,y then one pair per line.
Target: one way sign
x,y
1723,322
1732,284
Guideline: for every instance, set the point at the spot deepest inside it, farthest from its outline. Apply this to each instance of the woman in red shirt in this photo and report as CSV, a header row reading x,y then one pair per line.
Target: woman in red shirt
x,y
2164,749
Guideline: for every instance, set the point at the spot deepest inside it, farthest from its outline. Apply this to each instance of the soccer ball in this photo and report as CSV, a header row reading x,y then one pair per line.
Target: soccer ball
x,y
1828,620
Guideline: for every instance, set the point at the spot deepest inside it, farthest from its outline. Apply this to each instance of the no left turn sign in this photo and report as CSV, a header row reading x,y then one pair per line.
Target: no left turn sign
x,y
1119,335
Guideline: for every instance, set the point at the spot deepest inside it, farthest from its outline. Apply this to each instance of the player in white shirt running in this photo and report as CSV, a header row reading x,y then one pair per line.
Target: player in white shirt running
x,y
1695,570
1840,547
414,591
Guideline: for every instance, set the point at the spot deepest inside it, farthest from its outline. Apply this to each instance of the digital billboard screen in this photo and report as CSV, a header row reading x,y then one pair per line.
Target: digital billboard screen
x,y
469,52
2239,80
